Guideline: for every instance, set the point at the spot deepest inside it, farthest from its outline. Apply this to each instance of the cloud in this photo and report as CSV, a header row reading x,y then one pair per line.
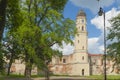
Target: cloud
x,y
98,22
93,5
94,46
66,49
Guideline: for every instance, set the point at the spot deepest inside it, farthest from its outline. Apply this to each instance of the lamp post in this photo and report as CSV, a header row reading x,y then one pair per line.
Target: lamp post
x,y
100,13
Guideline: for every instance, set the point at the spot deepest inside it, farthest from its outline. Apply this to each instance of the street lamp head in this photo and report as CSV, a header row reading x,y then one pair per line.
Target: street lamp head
x,y
100,12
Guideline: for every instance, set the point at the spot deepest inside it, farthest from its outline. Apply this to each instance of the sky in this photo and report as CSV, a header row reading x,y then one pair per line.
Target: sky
x,y
94,24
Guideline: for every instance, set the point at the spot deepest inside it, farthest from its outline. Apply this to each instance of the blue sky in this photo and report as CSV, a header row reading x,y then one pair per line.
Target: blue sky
x,y
94,22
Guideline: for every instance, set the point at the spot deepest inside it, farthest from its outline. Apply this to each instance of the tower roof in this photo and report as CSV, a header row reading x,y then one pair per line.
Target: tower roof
x,y
81,13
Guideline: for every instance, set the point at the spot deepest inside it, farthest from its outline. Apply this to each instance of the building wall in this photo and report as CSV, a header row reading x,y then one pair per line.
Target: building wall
x,y
73,65
80,69
18,67
94,66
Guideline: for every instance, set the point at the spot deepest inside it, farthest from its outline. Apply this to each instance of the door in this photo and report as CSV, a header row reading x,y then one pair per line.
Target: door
x,y
82,72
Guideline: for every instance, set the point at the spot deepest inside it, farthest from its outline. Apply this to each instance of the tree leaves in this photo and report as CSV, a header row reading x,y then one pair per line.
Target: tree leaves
x,y
35,27
114,36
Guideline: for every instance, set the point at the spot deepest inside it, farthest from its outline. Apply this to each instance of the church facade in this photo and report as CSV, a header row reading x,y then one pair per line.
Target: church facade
x,y
80,62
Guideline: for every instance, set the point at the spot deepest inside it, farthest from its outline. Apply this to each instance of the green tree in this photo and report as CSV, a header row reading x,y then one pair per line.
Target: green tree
x,y
7,7
9,14
42,25
114,37
13,20
3,4
53,27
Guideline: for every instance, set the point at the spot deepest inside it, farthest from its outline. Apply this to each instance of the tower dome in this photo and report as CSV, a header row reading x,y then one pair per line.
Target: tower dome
x,y
81,13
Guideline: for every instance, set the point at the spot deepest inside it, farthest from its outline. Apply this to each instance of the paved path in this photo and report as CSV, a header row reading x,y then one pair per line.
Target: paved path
x,y
54,78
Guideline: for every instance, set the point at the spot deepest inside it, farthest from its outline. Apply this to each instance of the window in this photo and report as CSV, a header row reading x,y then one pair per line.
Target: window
x,y
83,47
82,20
83,58
78,41
82,28
64,60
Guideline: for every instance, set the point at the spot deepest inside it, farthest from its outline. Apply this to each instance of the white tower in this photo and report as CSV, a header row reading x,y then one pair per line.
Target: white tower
x,y
81,36
81,63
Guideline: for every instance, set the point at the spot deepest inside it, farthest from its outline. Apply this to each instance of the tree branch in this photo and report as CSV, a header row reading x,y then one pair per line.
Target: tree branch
x,y
47,27
43,15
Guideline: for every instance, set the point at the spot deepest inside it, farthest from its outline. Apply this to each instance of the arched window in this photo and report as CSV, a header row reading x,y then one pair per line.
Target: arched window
x,y
82,20
82,57
82,28
64,60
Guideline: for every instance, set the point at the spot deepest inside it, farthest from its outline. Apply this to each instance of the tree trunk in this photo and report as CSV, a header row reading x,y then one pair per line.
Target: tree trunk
x,y
28,68
46,70
47,74
8,72
10,63
3,5
27,72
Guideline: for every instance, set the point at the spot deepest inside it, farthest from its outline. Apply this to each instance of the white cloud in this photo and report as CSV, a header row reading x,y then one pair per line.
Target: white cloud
x,y
94,46
98,22
66,49
93,5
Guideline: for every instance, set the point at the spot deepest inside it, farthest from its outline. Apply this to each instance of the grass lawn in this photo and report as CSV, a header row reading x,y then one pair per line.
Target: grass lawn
x,y
1,77
96,77
101,77
12,76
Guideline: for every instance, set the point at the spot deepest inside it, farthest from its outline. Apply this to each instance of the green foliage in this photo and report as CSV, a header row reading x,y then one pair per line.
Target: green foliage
x,y
13,14
35,27
114,37
53,27
54,4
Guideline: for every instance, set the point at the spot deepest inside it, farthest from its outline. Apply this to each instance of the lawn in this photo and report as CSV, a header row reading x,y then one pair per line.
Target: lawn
x,y
15,76
94,77
101,77
1,77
